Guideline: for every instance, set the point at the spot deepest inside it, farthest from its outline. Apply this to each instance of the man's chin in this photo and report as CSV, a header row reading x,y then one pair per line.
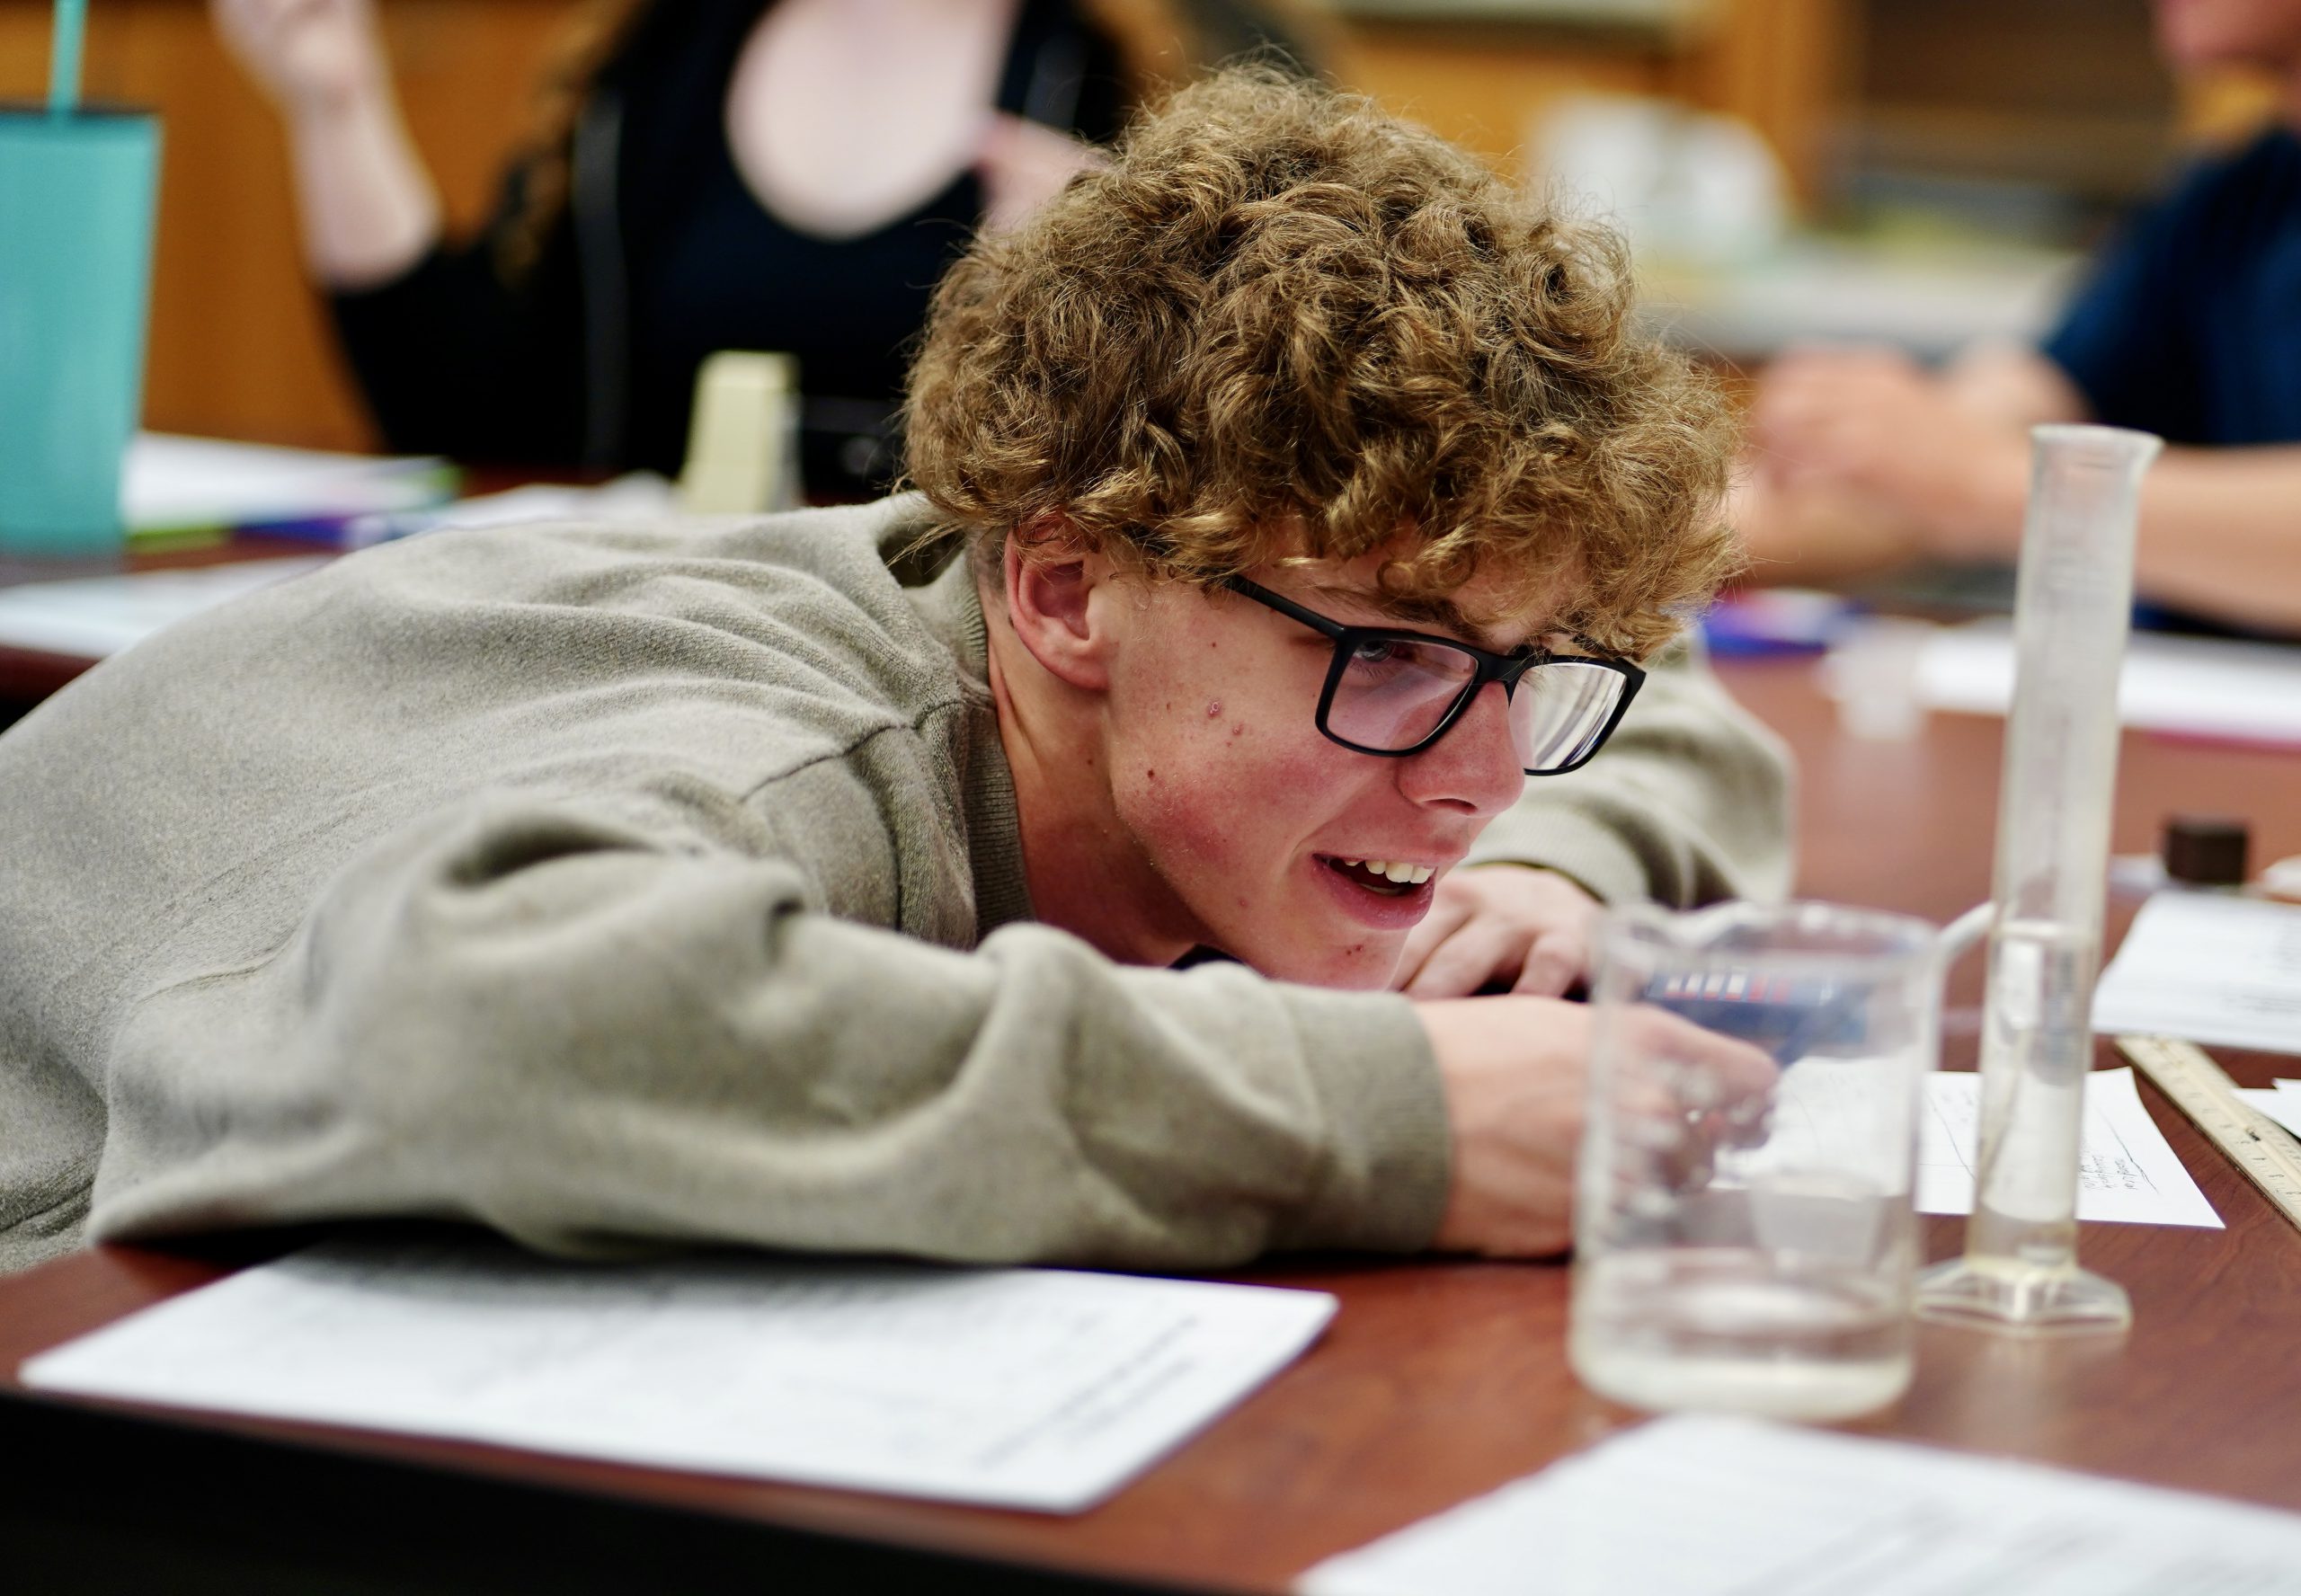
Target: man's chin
x,y
1367,967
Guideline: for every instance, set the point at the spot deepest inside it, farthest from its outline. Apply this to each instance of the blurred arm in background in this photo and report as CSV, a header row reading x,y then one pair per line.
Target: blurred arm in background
x,y
369,211
2190,328
1862,460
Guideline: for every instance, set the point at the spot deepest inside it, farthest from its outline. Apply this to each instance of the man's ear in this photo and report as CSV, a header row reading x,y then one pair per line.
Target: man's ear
x,y
1050,579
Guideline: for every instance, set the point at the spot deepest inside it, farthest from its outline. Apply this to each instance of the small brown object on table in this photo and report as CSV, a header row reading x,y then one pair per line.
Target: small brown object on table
x,y
1440,1381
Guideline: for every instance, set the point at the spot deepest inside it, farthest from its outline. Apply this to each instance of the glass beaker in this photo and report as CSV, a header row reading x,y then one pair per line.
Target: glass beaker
x,y
1751,1249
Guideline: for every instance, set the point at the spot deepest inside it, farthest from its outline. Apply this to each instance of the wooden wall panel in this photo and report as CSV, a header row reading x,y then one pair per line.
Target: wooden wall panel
x,y
1483,86
240,346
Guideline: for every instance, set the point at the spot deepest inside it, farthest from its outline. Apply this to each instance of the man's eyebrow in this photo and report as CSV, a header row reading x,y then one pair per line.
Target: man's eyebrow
x,y
1432,611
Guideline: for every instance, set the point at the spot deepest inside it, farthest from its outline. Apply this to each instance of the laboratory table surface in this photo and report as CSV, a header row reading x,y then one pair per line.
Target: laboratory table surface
x,y
1438,1380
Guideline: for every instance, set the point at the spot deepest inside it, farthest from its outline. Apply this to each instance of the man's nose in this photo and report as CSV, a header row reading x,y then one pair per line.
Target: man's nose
x,y
1474,768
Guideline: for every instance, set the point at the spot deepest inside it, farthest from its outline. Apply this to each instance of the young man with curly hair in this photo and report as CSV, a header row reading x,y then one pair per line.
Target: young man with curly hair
x,y
1287,492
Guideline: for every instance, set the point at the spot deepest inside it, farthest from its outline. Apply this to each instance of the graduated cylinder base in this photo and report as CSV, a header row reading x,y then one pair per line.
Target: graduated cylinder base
x,y
2016,1298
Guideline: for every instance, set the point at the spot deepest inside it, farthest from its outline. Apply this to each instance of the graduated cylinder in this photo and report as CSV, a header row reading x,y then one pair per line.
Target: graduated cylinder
x,y
2073,599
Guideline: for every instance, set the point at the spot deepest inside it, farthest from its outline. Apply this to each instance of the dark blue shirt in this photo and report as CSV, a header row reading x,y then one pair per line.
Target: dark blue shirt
x,y
2190,327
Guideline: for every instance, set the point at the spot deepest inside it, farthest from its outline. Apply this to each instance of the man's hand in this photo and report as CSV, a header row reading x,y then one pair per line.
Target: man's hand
x,y
1516,1072
1491,924
1874,425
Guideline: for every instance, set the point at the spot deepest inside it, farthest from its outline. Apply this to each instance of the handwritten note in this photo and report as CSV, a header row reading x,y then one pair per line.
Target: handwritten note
x,y
1032,1389
2127,1171
1712,1506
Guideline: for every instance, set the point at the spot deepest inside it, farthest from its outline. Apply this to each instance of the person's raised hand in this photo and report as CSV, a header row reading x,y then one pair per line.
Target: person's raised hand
x,y
1875,424
1515,1072
310,56
1493,924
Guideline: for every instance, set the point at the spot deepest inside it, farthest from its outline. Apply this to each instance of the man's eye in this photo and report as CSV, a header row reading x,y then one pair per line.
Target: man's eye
x,y
1374,651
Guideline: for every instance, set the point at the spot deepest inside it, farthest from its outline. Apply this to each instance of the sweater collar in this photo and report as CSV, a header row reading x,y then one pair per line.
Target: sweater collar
x,y
940,583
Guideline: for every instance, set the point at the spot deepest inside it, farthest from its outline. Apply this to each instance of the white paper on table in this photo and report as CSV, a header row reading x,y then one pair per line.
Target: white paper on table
x,y
1702,1505
637,495
2283,1108
1034,1388
2205,687
171,483
2127,1171
94,617
2208,968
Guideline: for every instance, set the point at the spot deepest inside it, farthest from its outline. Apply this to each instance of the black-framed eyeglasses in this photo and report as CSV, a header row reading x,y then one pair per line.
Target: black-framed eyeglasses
x,y
1394,693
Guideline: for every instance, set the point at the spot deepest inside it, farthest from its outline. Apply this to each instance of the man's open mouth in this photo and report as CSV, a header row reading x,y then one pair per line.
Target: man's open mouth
x,y
1387,878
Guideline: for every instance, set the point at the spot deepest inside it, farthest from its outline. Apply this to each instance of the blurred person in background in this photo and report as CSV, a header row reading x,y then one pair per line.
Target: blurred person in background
x,y
2189,327
701,174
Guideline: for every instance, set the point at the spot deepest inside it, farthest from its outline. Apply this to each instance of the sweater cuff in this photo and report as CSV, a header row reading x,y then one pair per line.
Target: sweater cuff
x,y
1590,853
1389,1155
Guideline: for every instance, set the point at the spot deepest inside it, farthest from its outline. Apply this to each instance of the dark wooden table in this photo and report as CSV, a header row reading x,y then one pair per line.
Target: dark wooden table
x,y
1440,1380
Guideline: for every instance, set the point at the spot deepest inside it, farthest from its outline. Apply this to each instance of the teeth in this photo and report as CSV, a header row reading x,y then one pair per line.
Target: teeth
x,y
1402,873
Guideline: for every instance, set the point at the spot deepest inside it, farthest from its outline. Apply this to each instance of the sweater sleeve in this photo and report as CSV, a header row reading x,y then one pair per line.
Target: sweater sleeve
x,y
548,1019
1688,803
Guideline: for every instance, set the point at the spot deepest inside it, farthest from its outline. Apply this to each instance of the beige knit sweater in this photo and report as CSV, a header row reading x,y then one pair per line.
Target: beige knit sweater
x,y
612,884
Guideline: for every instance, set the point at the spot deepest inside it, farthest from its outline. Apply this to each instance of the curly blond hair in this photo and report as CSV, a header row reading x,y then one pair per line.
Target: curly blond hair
x,y
1282,325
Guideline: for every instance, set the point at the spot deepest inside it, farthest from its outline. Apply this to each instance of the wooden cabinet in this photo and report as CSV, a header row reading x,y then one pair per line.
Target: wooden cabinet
x,y
1784,66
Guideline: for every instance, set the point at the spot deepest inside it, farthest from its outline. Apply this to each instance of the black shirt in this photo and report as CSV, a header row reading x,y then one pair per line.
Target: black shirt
x,y
589,357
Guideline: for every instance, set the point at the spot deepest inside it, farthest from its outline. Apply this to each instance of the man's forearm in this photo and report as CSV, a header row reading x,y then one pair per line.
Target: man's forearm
x,y
2221,534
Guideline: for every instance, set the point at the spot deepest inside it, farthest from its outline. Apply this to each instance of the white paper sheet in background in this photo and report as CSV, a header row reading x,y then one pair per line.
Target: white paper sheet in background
x,y
2280,1102
2207,967
170,483
1033,1388
2127,1171
2205,687
94,617
1710,1506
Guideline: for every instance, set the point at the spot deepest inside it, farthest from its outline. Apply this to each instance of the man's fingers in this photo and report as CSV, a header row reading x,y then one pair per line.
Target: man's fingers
x,y
1736,1068
1553,965
1464,963
1446,916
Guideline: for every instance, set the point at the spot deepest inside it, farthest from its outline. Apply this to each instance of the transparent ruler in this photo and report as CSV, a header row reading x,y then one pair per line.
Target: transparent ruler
x,y
2258,1145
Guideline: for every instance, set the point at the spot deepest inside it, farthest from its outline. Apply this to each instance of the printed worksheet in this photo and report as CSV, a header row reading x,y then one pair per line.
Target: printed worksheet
x,y
1712,1506
1020,1387
2127,1171
2208,967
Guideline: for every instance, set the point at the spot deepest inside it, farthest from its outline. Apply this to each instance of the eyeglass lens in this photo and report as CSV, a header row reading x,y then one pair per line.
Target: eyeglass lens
x,y
1392,693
